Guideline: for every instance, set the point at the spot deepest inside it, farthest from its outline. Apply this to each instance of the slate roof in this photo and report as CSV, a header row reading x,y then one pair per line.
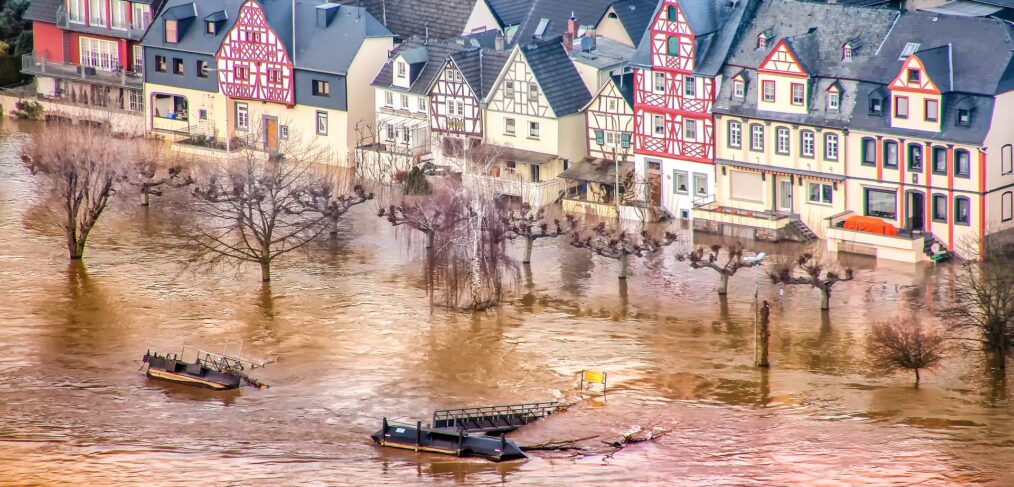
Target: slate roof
x,y
509,12
480,68
192,38
717,25
607,53
435,52
981,109
557,76
43,10
407,18
557,12
634,15
625,85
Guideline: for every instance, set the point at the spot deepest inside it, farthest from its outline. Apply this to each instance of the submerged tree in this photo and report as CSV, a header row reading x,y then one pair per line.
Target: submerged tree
x,y
905,345
708,257
333,194
816,272
532,225
428,214
80,167
982,310
615,243
152,169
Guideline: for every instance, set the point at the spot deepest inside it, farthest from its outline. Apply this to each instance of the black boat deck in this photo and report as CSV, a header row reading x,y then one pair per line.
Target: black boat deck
x,y
449,442
491,419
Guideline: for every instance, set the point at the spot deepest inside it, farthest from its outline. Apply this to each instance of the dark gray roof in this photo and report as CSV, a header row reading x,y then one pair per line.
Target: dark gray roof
x,y
509,12
441,19
331,49
480,68
980,50
817,114
980,107
435,52
625,85
556,13
43,10
634,15
192,38
557,76
719,25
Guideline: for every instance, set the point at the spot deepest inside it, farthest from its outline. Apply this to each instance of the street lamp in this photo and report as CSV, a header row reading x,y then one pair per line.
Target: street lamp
x,y
753,261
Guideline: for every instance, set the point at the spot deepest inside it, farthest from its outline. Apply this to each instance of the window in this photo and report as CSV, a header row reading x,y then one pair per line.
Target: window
x,y
99,54
401,69
690,86
202,114
140,16
136,101
673,46
806,144
681,180
535,170
821,193
242,73
461,108
746,186
321,88
76,11
449,74
533,130
910,48
964,117
939,208
508,89
533,93
171,32
914,157
890,154
202,69
831,147
782,140
913,76
768,88
962,163
283,132
508,126
762,41
404,101
670,13
177,65
209,27
659,125
833,101
160,63
97,13
939,160
659,83
242,116
735,134
846,53
388,99
118,9
690,129
869,151
932,110
901,106
274,76
757,138
700,184
738,88
406,136
1007,206
1007,159
611,105
881,203
876,106
422,103
962,210
797,94
322,123
390,133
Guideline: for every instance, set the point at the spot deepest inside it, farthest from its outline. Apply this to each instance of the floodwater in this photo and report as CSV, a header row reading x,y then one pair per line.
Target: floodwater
x,y
357,340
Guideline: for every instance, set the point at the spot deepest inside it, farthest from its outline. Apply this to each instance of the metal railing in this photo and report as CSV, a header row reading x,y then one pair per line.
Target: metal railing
x,y
121,28
490,418
38,65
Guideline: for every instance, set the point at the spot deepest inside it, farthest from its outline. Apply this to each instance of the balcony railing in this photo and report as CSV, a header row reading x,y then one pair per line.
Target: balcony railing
x,y
37,65
115,28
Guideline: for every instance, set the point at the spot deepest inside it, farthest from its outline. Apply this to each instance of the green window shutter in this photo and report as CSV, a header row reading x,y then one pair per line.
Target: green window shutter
x,y
600,137
625,140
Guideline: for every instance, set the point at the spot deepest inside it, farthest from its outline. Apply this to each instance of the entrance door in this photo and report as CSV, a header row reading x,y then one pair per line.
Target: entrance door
x,y
785,195
916,211
271,134
654,183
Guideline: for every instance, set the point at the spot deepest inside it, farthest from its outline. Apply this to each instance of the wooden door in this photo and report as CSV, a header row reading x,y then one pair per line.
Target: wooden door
x,y
271,134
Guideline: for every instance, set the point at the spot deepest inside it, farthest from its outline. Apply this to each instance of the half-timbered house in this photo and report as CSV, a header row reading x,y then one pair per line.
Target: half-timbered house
x,y
677,76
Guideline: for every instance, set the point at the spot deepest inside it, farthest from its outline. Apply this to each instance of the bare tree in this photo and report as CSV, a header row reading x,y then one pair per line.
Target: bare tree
x,y
904,345
255,208
708,258
614,243
429,214
334,193
80,168
152,169
817,272
533,225
982,309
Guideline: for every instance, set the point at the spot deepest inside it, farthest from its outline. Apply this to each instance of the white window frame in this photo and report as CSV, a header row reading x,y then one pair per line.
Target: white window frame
x,y
140,16
820,200
738,88
831,147
119,10
833,100
657,77
658,129
242,116
97,15
782,140
533,130
388,99
690,129
321,122
807,143
757,138
509,126
735,134
689,87
404,102
138,58
76,11
98,53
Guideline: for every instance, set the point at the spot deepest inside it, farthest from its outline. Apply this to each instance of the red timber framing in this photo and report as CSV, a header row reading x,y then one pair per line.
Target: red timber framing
x,y
662,91
454,108
252,61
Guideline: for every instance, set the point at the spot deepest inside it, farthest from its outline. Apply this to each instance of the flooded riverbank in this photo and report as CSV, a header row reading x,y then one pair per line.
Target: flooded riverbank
x,y
357,340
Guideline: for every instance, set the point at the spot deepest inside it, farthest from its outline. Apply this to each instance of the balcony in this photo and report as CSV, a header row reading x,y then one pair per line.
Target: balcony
x,y
112,28
34,65
510,183
894,244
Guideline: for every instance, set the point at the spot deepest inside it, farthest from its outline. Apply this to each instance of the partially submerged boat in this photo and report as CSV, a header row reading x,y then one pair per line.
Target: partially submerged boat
x,y
448,441
217,371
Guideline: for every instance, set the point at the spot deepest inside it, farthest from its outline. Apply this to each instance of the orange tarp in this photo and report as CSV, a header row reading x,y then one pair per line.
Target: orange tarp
x,y
869,224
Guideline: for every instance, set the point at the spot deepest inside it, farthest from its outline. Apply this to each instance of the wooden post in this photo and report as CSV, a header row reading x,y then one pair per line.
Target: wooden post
x,y
582,379
762,336
418,434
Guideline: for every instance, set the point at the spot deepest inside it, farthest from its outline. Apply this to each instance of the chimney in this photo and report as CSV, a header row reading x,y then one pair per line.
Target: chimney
x,y
326,13
572,26
591,35
498,43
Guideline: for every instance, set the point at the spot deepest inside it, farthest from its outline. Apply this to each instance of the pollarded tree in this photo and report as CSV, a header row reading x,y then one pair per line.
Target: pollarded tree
x,y
533,225
80,168
333,195
905,345
151,169
816,272
429,214
709,258
615,243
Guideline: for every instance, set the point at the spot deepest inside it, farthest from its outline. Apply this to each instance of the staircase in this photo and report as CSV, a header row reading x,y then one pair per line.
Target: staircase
x,y
802,230
927,248
492,418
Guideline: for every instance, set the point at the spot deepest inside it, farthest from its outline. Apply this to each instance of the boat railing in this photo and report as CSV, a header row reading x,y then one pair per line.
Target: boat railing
x,y
492,418
221,361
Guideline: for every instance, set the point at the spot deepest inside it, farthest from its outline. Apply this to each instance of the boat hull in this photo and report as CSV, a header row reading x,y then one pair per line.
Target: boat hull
x,y
447,442
171,370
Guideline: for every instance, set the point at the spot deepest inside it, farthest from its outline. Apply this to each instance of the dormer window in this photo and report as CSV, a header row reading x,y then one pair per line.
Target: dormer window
x,y
209,27
762,40
738,88
172,34
876,106
612,15
964,117
909,49
914,76
833,101
846,53
401,69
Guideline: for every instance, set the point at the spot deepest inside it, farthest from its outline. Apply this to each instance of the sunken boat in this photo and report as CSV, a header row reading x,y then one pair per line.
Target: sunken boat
x,y
448,441
206,369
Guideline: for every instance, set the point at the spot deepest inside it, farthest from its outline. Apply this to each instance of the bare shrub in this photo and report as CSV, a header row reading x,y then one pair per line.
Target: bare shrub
x,y
904,344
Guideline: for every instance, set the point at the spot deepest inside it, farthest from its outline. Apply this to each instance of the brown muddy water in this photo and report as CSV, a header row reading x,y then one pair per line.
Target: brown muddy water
x,y
357,340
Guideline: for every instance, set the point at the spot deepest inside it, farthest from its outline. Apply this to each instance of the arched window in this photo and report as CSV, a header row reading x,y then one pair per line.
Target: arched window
x,y
1007,159
670,13
735,134
915,157
890,154
962,163
939,208
869,151
962,210
674,46
939,160
806,143
1007,206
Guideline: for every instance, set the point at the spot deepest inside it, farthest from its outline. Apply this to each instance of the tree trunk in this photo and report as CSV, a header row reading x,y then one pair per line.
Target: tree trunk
x,y
144,198
917,377
265,271
825,298
723,284
430,236
763,332
74,250
476,271
624,258
334,229
528,251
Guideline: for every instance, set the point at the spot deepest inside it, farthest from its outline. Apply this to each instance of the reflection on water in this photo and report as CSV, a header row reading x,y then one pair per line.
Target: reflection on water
x,y
357,340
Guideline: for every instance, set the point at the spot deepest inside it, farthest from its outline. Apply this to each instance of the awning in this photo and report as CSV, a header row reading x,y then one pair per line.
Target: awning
x,y
595,171
518,155
782,170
